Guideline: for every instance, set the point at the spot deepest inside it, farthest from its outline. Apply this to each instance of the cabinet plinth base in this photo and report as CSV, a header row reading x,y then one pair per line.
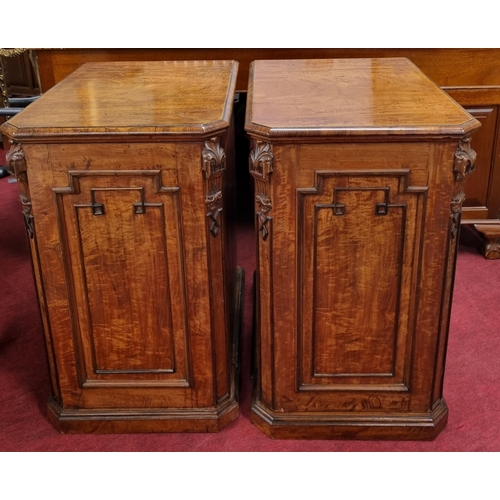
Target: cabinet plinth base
x,y
113,421
410,426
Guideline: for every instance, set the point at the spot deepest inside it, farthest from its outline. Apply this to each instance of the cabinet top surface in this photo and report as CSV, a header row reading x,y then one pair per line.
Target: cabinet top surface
x,y
140,97
346,97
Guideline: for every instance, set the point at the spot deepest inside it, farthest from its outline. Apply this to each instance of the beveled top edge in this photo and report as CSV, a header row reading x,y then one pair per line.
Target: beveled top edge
x,y
459,122
462,130
120,134
192,131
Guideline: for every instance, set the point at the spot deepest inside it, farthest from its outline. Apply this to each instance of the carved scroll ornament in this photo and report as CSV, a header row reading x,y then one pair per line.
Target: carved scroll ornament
x,y
264,207
214,205
456,213
465,158
16,164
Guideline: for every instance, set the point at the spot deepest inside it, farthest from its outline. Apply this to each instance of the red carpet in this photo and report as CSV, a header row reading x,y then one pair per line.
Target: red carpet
x,y
472,381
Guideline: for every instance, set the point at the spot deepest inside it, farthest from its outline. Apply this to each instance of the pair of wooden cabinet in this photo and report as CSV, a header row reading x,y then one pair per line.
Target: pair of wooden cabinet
x,y
126,173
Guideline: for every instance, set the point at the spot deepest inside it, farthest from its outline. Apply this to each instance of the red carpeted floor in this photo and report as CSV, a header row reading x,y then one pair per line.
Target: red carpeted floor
x,y
472,381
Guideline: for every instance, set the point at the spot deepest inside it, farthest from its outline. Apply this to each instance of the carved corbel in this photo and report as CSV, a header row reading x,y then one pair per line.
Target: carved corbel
x,y
16,164
261,160
261,166
465,159
213,158
213,165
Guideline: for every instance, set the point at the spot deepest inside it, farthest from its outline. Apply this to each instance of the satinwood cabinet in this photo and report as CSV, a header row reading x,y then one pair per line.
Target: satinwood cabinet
x,y
359,168
126,173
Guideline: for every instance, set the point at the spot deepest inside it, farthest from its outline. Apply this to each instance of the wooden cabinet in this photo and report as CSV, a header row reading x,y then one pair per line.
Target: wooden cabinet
x,y
126,172
359,168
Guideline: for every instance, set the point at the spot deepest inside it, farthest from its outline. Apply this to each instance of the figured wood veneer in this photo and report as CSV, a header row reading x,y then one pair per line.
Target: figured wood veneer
x,y
359,169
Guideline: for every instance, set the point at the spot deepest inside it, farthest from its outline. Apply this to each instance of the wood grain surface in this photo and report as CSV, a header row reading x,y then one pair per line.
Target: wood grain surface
x,y
142,98
388,96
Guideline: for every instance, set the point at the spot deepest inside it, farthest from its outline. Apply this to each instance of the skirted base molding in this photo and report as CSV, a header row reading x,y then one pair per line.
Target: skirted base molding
x,y
316,425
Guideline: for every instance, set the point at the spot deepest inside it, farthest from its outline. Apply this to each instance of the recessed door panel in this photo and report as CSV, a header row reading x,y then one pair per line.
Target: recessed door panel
x,y
358,269
124,268
357,286
124,258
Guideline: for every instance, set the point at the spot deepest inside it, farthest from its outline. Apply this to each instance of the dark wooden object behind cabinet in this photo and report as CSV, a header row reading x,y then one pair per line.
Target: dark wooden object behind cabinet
x,y
126,172
359,168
